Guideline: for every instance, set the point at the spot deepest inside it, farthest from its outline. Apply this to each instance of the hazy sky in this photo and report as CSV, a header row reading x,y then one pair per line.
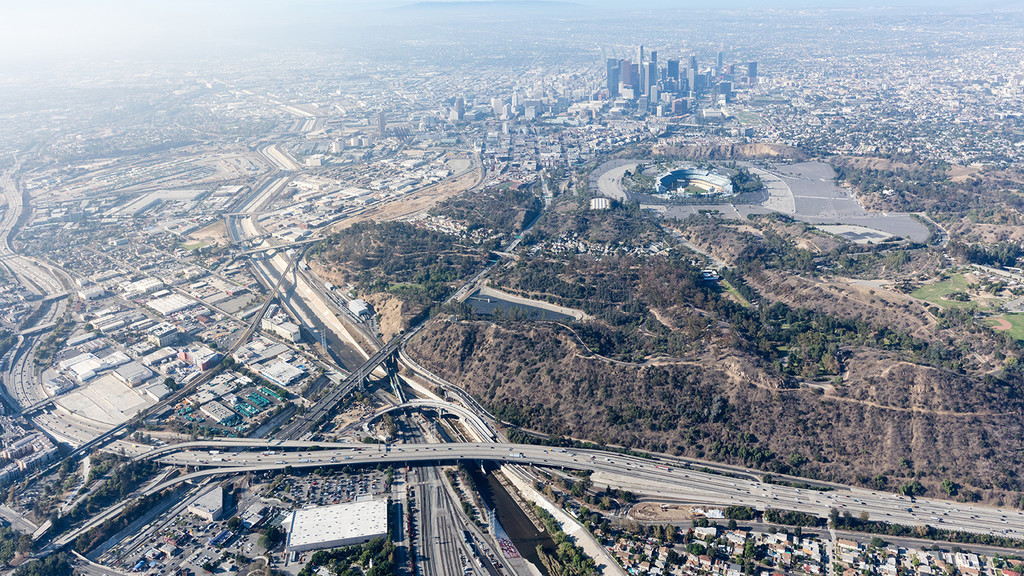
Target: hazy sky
x,y
54,30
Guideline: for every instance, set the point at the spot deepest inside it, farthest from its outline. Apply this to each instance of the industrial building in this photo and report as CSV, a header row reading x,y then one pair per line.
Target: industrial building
x,y
84,367
58,385
201,357
218,412
284,329
163,334
359,308
91,293
254,515
209,506
171,304
338,525
140,287
159,357
133,373
281,373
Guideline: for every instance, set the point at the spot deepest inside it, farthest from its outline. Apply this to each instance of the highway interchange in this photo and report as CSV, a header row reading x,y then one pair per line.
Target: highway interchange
x,y
664,475
23,385
668,479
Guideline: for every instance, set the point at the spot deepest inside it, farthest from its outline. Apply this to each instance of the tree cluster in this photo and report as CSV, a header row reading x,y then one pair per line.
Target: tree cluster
x,y
355,560
501,209
791,518
568,559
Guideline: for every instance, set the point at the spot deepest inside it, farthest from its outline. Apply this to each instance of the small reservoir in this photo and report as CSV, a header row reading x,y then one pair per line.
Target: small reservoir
x,y
487,304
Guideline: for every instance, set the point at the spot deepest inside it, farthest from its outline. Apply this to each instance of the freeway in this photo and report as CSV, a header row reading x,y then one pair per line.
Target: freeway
x,y
21,380
472,420
31,274
244,226
253,203
113,511
465,397
660,476
300,425
282,246
279,158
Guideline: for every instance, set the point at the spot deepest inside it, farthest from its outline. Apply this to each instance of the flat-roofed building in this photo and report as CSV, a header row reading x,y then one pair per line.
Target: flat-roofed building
x,y
282,373
359,308
133,373
201,357
170,304
218,412
338,525
209,506
287,330
159,356
163,334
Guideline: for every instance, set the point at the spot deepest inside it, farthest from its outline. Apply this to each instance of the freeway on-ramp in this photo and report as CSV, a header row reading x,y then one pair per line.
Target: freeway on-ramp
x,y
661,477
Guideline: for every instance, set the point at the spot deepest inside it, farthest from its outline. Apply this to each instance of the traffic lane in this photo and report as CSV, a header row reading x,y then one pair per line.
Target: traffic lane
x,y
853,496
723,489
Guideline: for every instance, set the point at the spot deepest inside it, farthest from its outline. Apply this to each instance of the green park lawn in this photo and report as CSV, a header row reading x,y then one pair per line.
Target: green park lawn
x,y
1017,320
730,289
749,118
937,292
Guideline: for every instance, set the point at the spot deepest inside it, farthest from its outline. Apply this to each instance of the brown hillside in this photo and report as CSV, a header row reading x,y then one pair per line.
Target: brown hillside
x,y
734,152
726,407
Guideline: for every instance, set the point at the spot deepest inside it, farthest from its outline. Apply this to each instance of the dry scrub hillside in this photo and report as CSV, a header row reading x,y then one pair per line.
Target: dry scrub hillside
x,y
1007,229
844,298
733,152
893,422
405,267
790,264
808,358
946,192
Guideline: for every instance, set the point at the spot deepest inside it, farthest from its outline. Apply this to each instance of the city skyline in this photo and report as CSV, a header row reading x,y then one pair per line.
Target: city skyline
x,y
61,31
511,289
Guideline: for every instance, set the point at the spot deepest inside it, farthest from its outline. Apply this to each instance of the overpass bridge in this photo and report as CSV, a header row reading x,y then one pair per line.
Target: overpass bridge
x,y
37,407
339,455
656,476
55,297
284,246
476,424
303,423
37,329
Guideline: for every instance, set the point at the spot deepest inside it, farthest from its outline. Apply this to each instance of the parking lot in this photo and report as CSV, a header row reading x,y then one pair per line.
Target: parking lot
x,y
179,543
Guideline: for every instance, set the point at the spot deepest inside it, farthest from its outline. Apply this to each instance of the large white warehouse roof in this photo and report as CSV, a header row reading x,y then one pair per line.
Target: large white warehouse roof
x,y
338,525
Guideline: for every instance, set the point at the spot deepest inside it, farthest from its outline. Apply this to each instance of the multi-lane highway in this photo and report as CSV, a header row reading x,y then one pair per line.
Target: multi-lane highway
x,y
658,477
663,477
20,380
33,275
302,424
